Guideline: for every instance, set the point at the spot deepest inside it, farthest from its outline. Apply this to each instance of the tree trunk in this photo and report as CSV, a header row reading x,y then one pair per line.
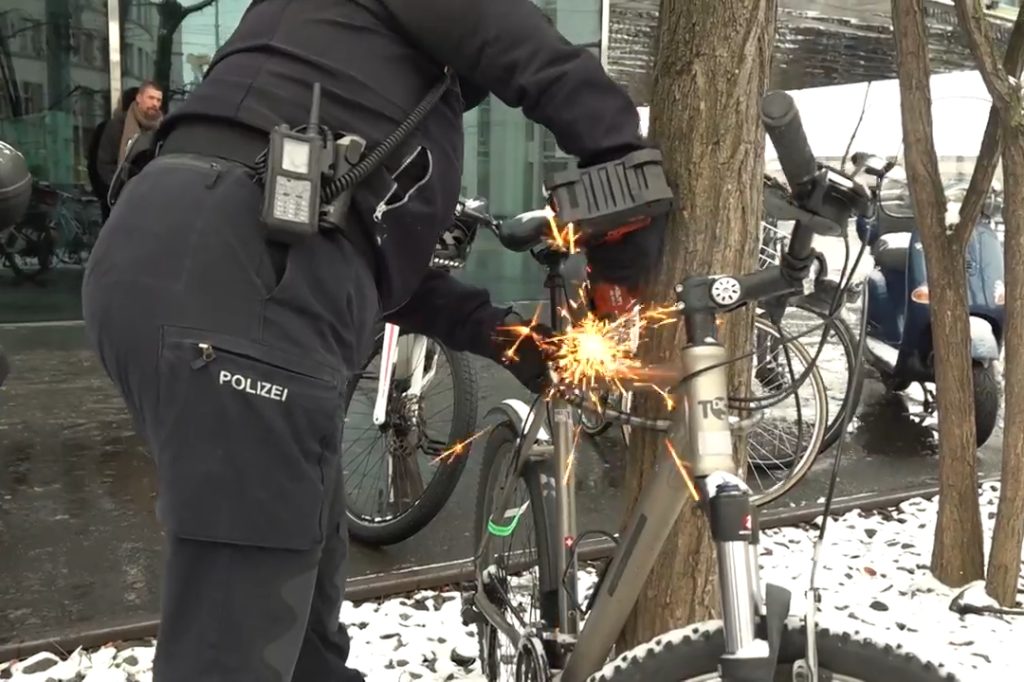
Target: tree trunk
x,y
1003,85
171,15
711,68
1004,557
957,555
11,90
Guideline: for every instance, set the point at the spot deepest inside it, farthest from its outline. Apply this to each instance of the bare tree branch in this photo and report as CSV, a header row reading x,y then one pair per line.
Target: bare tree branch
x,y
975,26
199,6
856,128
992,143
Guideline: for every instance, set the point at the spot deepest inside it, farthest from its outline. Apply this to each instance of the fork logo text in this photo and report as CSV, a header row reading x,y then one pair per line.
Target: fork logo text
x,y
262,389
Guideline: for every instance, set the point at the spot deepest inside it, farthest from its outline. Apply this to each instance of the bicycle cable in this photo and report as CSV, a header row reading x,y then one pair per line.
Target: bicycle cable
x,y
770,400
857,369
764,402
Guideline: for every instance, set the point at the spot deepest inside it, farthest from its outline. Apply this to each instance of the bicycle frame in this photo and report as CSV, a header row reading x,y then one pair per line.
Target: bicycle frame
x,y
702,431
770,250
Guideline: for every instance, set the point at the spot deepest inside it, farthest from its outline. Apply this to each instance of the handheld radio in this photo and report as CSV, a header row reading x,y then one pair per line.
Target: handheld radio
x,y
295,163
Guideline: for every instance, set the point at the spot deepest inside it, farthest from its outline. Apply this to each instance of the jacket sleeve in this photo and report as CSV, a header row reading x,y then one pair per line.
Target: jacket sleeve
x,y
456,314
510,48
109,147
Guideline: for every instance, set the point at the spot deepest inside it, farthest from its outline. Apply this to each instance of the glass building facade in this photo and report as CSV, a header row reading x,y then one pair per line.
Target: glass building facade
x,y
64,65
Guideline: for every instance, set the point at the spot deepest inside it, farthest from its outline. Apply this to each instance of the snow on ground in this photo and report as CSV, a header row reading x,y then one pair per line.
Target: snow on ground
x,y
874,580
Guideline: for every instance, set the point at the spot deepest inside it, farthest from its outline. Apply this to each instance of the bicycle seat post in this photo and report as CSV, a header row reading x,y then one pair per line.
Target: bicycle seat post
x,y
554,282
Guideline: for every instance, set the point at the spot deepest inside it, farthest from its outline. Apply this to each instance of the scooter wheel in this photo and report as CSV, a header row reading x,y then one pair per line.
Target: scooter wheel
x,y
986,401
894,385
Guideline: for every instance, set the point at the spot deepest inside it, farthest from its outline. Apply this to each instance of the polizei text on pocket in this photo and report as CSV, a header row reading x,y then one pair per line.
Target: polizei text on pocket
x,y
245,384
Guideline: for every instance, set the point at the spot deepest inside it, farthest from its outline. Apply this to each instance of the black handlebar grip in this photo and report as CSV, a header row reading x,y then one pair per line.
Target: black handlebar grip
x,y
782,121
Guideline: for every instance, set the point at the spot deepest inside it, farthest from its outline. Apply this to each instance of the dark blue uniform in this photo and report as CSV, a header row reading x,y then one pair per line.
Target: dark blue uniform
x,y
234,354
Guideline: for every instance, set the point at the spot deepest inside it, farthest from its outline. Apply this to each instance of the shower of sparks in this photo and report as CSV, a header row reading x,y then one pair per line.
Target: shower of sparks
x,y
590,357
682,470
460,447
594,354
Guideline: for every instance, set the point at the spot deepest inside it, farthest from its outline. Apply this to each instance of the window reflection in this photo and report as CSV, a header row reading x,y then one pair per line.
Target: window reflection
x,y
55,98
54,91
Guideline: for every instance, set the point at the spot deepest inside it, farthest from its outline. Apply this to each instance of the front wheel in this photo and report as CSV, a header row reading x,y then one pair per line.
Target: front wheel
x,y
399,475
986,401
692,653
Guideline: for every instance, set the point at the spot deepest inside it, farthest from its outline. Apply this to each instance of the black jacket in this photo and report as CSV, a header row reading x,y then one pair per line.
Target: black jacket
x,y
109,148
375,61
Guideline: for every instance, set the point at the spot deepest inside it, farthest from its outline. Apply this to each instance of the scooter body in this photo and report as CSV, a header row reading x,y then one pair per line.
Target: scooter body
x,y
899,314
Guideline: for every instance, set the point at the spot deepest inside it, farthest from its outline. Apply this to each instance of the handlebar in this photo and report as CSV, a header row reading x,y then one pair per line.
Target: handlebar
x,y
821,201
477,217
781,120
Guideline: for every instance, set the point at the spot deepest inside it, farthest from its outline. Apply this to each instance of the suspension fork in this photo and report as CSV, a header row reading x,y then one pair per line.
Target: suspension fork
x,y
388,357
412,366
730,515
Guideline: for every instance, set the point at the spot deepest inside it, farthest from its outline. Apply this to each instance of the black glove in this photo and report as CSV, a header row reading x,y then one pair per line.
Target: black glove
x,y
522,355
626,260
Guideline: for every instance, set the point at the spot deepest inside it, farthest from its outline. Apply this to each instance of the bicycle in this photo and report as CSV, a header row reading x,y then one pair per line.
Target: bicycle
x,y
820,306
406,377
76,220
780,450
755,634
817,306
28,247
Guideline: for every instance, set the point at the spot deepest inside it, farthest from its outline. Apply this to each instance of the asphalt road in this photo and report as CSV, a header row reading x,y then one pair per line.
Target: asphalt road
x,y
81,547
79,543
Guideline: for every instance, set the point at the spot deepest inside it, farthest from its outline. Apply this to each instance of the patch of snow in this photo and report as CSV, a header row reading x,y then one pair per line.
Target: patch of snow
x,y
874,580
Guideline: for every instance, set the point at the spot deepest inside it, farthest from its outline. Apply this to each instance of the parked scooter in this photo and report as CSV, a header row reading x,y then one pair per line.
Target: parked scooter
x,y
899,343
15,190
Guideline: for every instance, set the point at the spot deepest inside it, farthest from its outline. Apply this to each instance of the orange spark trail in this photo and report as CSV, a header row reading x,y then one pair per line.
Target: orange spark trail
x,y
669,403
562,239
572,455
682,470
460,447
523,331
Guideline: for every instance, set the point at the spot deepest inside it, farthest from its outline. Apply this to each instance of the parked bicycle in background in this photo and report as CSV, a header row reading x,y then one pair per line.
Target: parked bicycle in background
x,y
59,228
414,402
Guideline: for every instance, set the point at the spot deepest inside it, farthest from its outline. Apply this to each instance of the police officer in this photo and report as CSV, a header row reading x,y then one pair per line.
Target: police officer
x,y
233,352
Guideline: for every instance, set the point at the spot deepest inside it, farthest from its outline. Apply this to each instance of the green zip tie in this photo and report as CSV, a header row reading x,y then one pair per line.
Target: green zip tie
x,y
504,531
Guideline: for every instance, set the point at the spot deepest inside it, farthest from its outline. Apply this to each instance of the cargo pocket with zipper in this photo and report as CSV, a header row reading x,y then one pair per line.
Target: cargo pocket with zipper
x,y
242,440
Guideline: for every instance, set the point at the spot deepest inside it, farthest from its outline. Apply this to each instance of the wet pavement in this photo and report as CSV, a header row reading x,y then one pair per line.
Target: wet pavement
x,y
80,547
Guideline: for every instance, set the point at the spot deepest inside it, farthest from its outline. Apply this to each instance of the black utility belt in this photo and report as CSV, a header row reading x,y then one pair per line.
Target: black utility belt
x,y
230,141
245,146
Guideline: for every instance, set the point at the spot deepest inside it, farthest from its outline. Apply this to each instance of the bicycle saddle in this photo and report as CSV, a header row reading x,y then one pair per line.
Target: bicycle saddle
x,y
524,231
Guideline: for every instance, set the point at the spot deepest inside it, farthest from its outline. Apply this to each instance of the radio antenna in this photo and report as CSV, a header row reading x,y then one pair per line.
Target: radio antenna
x,y
314,109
